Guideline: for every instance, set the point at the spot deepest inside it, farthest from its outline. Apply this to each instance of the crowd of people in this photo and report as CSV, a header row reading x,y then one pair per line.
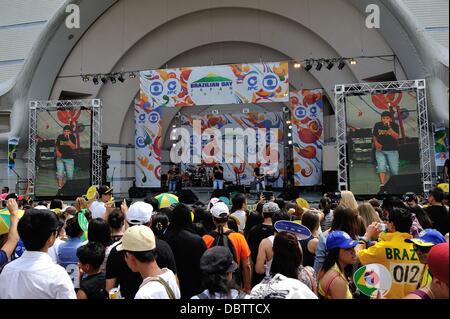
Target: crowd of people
x,y
156,250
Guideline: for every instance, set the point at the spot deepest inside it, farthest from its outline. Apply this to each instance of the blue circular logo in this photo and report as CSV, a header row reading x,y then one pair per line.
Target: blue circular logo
x,y
156,88
270,82
172,85
252,81
140,142
141,117
313,112
300,113
153,117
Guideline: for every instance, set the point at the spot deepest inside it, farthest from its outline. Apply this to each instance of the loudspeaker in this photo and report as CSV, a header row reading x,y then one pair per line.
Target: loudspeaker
x,y
330,181
220,192
290,194
186,196
401,184
137,192
74,188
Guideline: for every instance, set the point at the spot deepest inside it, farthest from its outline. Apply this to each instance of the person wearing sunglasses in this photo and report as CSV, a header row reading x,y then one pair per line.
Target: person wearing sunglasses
x,y
422,246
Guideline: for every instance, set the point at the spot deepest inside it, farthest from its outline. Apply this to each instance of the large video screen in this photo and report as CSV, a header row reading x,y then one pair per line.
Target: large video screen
x,y
382,143
63,152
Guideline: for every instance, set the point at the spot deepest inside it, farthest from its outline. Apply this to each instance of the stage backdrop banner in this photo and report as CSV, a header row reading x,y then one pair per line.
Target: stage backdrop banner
x,y
215,85
12,148
148,145
307,136
269,120
440,145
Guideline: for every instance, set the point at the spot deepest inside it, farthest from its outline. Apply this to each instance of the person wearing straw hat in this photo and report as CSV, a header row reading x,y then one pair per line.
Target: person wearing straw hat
x,y
117,271
139,247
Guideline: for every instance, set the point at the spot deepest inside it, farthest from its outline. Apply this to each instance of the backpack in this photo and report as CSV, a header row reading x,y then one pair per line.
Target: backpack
x,y
224,240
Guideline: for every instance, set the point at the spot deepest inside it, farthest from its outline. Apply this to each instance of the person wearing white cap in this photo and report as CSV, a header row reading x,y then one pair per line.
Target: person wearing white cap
x,y
223,236
117,270
139,247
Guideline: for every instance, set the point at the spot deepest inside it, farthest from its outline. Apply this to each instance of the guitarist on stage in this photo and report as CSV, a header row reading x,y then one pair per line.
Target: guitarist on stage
x,y
259,177
173,176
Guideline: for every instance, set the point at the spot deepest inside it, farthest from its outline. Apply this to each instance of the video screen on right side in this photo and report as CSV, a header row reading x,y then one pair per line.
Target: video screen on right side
x,y
383,143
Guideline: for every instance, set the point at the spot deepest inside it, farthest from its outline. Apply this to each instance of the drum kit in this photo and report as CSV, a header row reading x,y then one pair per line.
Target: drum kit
x,y
197,176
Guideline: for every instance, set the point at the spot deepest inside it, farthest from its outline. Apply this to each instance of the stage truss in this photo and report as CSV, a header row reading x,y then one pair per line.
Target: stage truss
x,y
343,90
96,150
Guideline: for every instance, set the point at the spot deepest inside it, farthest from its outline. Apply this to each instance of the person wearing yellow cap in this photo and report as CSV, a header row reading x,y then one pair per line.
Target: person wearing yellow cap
x,y
422,245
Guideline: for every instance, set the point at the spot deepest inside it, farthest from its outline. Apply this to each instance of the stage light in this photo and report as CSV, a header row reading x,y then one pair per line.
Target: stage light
x,y
120,78
341,64
112,79
95,80
174,125
353,62
319,65
132,75
104,79
85,78
288,122
290,127
289,134
330,65
290,142
297,65
308,66
174,144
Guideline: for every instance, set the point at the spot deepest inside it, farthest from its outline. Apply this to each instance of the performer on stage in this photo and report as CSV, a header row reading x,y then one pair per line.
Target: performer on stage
x,y
173,176
65,154
385,140
218,176
259,177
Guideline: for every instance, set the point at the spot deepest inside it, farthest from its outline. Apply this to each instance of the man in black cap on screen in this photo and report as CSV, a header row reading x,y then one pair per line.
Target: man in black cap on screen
x,y
385,140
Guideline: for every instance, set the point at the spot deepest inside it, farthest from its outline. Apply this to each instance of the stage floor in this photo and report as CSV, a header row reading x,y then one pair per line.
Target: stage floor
x,y
364,178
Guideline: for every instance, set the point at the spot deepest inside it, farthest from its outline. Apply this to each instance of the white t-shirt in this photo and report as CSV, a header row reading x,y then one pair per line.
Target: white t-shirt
x,y
155,290
234,295
241,219
53,251
97,209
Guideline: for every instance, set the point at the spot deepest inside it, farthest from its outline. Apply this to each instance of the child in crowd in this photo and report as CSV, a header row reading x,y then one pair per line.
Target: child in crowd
x,y
90,259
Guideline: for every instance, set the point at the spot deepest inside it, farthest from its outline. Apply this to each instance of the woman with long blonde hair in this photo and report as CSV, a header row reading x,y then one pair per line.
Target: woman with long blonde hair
x,y
368,214
348,200
80,203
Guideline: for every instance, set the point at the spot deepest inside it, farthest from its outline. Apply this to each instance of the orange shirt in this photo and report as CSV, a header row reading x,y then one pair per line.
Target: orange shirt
x,y
239,243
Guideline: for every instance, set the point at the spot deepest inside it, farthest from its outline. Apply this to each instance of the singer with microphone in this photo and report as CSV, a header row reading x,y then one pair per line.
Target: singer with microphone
x,y
65,154
385,140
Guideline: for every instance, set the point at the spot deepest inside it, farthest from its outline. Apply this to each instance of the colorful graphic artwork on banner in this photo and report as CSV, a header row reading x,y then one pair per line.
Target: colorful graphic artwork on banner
x,y
148,146
440,146
239,173
12,149
214,85
307,136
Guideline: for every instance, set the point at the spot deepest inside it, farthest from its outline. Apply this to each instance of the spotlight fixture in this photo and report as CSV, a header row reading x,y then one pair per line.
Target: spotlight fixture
x,y
330,65
290,127
104,79
132,75
319,65
297,65
353,62
289,134
308,66
95,80
120,78
85,78
112,78
341,64
288,122
290,142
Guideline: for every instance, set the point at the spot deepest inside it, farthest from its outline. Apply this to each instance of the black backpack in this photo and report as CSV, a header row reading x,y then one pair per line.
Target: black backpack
x,y
224,240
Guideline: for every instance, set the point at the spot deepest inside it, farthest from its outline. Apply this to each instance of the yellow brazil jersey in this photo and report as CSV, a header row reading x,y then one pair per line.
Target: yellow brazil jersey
x,y
399,258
